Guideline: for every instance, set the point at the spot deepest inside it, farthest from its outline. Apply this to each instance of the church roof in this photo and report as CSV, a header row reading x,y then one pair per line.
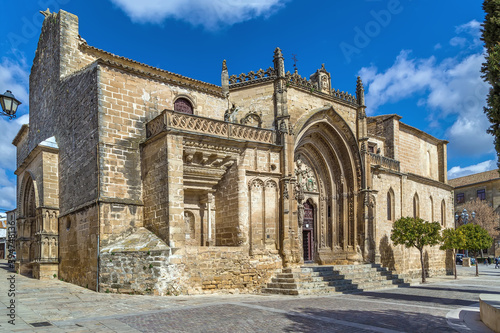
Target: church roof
x,y
475,178
113,59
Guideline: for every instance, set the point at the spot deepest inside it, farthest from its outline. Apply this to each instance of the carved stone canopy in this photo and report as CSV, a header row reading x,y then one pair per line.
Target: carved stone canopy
x,y
252,119
204,169
306,179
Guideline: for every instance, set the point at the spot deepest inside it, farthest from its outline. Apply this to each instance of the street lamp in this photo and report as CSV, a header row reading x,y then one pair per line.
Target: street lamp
x,y
9,104
465,219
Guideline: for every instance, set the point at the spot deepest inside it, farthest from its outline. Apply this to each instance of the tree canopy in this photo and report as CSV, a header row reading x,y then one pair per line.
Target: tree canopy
x,y
491,68
485,216
476,239
417,233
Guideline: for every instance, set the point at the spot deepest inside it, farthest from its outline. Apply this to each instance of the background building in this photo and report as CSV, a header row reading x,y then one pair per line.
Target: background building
x,y
484,186
3,236
137,179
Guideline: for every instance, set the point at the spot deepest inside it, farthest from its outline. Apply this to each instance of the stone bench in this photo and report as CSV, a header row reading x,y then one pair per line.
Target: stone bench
x,y
489,310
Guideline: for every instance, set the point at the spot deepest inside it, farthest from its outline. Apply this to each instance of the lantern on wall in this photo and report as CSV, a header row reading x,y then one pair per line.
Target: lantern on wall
x,y
9,104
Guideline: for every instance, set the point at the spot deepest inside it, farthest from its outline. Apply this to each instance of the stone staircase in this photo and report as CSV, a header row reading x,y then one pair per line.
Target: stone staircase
x,y
310,280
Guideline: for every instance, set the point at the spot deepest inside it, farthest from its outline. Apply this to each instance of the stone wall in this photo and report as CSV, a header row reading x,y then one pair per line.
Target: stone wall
x,y
135,272
254,99
118,220
302,105
404,260
155,184
78,247
228,269
418,155
227,229
203,270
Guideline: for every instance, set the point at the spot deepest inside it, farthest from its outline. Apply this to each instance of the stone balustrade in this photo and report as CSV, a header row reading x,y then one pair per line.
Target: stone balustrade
x,y
385,162
175,120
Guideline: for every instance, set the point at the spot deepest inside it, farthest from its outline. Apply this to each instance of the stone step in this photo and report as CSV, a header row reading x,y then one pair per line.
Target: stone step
x,y
307,280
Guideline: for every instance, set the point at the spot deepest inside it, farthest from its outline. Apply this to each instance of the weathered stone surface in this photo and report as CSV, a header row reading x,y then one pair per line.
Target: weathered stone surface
x,y
152,200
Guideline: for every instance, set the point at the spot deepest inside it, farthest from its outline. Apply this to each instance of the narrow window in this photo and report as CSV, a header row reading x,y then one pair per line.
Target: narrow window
x,y
416,207
460,198
481,194
443,213
389,208
432,209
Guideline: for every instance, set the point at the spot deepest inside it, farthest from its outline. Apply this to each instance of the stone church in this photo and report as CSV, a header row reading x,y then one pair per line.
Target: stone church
x,y
135,179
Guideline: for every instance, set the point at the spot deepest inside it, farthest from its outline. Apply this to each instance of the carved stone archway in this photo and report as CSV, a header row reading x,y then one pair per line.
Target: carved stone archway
x,y
329,149
27,226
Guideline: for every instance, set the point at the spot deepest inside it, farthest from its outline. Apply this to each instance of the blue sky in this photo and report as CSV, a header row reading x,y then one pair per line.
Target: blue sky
x,y
419,59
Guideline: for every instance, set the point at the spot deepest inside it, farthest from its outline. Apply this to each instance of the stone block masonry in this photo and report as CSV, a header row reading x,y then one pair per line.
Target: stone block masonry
x,y
203,270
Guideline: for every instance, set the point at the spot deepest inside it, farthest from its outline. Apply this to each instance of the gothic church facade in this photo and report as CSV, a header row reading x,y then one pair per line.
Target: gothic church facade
x,y
136,179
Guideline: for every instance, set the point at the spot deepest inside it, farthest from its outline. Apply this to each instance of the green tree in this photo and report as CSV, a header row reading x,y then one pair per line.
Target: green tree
x,y
491,68
417,233
453,239
476,239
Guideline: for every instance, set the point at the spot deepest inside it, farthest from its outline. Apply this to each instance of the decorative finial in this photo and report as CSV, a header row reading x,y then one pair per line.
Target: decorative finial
x,y
45,13
225,79
360,92
277,53
323,67
294,58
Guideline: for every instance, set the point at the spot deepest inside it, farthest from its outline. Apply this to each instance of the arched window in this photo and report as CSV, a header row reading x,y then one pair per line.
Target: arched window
x,y
390,205
443,213
432,208
416,207
183,105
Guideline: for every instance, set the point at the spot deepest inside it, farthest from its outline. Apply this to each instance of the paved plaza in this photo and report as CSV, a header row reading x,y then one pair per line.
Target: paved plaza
x,y
442,305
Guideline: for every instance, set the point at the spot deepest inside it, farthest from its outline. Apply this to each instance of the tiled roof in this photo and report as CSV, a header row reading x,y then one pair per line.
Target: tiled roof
x,y
475,178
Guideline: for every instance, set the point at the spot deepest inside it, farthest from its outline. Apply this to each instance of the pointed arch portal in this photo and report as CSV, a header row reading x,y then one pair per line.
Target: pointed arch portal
x,y
329,150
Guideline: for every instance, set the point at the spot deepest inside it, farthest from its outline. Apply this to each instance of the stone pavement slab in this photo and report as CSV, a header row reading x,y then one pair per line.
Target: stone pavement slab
x,y
442,305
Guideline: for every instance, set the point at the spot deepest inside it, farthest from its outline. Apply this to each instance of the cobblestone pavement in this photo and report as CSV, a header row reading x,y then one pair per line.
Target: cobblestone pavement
x,y
442,305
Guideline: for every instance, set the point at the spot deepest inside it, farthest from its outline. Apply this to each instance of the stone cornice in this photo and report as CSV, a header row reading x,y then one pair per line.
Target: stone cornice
x,y
107,200
22,131
421,133
414,177
428,181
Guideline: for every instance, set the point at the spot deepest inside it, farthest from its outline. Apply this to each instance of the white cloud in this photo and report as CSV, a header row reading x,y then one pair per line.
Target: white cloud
x,y
472,27
451,88
403,79
14,76
457,171
458,41
211,14
469,29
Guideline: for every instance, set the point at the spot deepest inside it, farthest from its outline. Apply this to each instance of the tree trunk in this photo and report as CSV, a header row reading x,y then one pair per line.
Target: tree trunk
x,y
422,264
455,263
477,266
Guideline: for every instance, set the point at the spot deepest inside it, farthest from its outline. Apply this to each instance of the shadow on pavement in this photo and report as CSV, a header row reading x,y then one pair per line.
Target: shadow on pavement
x,y
460,290
410,297
5,266
386,319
